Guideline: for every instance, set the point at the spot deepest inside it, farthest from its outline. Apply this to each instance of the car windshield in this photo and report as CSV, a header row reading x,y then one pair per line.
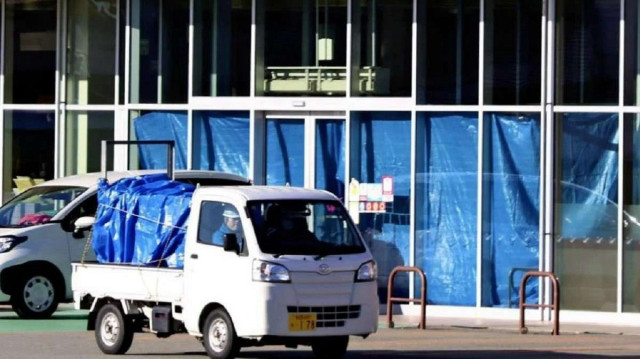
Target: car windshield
x,y
318,228
37,205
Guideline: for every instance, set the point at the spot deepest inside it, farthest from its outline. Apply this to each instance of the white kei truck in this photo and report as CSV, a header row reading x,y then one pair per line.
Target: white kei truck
x,y
295,272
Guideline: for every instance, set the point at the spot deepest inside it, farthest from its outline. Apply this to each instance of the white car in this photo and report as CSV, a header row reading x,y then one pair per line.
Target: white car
x,y
38,242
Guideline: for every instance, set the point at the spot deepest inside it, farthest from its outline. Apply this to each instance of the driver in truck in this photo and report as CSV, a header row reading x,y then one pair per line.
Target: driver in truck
x,y
230,224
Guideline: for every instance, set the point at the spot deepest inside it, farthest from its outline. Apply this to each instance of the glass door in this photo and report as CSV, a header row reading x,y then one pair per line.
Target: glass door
x,y
306,150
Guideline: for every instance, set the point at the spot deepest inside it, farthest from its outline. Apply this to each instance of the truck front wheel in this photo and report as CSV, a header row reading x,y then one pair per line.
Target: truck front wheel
x,y
114,333
330,347
220,340
35,296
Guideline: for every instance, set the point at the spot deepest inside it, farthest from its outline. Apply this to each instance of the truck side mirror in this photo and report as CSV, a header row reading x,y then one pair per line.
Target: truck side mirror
x,y
83,223
231,243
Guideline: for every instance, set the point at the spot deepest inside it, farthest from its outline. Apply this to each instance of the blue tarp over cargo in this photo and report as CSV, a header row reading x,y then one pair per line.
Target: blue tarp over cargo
x,y
142,220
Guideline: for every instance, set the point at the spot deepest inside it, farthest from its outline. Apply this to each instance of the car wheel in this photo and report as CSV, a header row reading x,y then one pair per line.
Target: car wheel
x,y
114,333
220,340
35,296
330,347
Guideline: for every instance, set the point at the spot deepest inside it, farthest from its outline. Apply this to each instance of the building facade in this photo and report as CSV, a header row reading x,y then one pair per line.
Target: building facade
x,y
474,139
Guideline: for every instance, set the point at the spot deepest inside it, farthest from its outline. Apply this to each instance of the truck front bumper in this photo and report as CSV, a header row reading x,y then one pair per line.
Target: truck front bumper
x,y
279,315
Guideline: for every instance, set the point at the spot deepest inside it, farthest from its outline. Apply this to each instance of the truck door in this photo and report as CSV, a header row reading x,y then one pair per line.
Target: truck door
x,y
211,273
77,242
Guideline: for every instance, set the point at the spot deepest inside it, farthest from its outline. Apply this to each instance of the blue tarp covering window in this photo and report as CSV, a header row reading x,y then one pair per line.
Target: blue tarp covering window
x,y
383,142
511,206
330,156
170,126
589,183
142,220
221,140
446,197
285,152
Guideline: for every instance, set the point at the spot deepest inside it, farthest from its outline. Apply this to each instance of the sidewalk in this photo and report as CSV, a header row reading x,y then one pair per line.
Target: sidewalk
x,y
503,325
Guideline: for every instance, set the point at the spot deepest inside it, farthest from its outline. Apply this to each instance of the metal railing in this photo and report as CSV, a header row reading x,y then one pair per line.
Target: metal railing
x,y
423,295
554,305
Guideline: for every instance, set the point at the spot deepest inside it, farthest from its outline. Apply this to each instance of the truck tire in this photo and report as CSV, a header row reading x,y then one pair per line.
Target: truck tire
x,y
330,347
114,332
220,340
34,296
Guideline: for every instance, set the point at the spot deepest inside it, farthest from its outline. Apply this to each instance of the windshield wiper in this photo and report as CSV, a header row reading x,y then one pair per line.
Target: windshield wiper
x,y
320,256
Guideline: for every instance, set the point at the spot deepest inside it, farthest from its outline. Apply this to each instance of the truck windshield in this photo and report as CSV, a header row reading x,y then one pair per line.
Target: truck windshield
x,y
37,205
318,228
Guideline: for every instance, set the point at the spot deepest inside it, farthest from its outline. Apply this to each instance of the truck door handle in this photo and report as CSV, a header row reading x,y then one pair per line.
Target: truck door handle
x,y
194,256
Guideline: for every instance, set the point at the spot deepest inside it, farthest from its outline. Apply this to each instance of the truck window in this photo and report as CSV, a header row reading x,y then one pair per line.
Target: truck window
x,y
304,227
218,219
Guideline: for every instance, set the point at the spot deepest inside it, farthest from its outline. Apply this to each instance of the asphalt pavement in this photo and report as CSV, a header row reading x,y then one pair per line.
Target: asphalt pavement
x,y
64,336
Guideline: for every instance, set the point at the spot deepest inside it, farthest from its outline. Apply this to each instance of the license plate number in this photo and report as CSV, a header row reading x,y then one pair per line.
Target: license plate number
x,y
302,322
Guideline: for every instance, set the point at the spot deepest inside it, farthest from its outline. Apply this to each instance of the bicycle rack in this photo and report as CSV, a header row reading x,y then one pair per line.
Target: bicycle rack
x,y
555,303
511,273
422,300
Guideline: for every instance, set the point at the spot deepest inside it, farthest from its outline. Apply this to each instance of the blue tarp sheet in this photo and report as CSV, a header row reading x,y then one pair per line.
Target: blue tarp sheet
x,y
511,209
220,140
162,126
142,220
384,142
589,187
285,152
446,201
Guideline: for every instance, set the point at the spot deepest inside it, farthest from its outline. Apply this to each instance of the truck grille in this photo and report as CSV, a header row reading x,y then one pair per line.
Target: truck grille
x,y
331,316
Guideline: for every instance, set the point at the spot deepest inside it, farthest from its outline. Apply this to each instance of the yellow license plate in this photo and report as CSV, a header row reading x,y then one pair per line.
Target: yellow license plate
x,y
302,322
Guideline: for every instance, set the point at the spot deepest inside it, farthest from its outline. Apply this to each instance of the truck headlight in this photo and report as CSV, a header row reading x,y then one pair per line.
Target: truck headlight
x,y
270,272
367,272
7,243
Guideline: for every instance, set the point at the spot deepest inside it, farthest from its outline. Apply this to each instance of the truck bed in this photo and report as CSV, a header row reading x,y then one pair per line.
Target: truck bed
x,y
125,281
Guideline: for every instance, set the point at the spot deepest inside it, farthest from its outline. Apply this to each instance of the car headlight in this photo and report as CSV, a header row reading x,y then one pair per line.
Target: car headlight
x,y
367,272
7,243
270,272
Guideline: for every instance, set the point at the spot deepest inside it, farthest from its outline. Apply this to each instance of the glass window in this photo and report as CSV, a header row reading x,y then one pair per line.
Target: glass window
x,y
587,51
91,51
382,47
221,141
448,45
631,215
446,205
28,150
159,51
330,155
30,51
318,228
631,53
303,48
222,39
586,210
37,205
158,125
381,147
217,219
285,152
511,207
512,52
84,135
